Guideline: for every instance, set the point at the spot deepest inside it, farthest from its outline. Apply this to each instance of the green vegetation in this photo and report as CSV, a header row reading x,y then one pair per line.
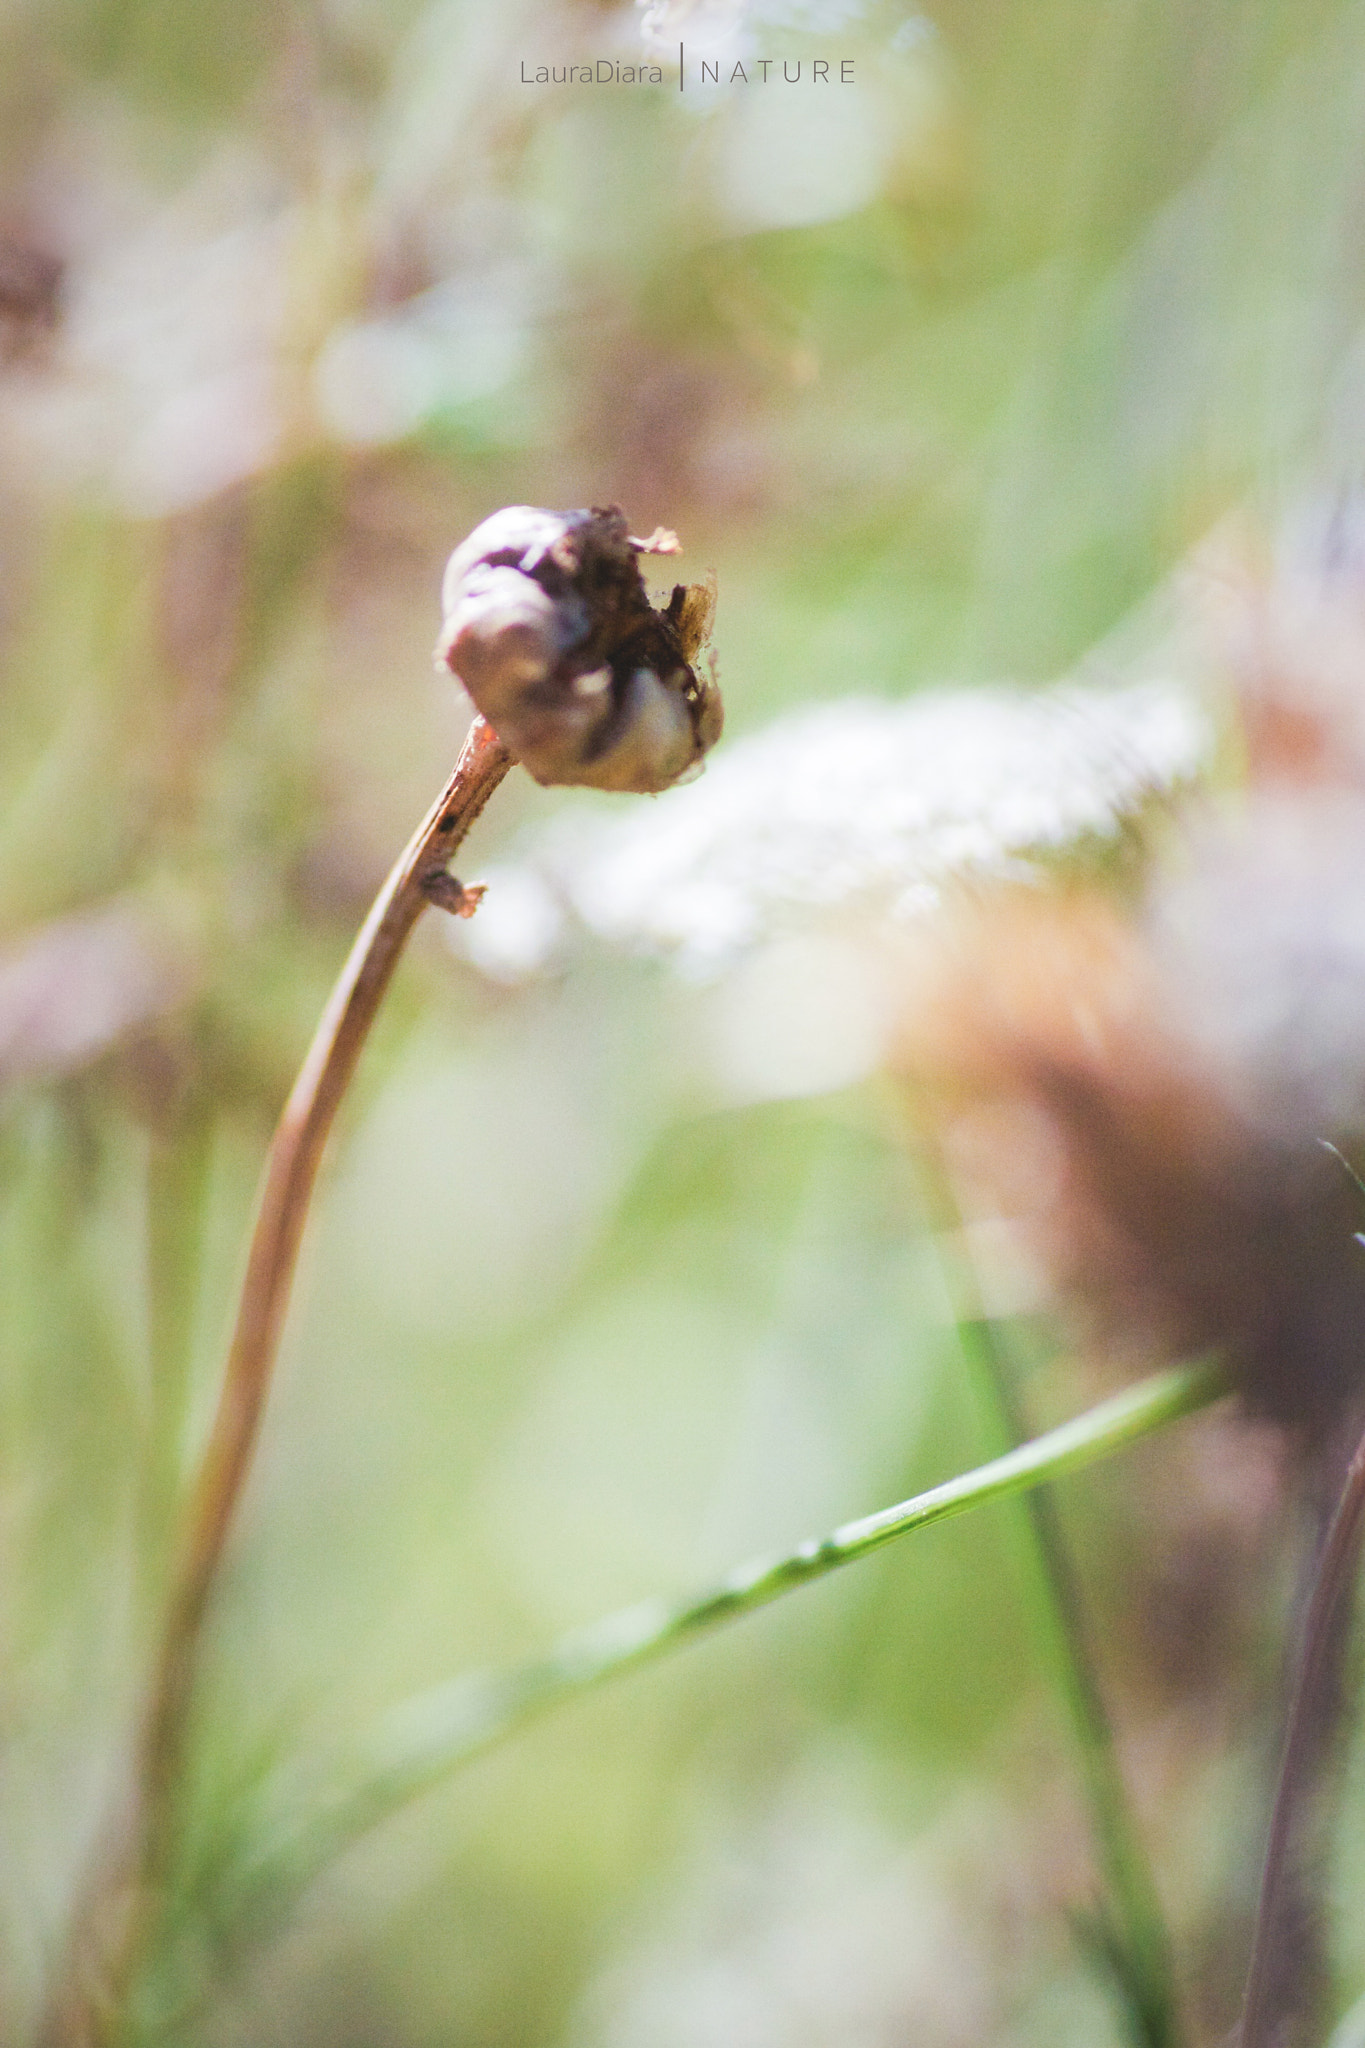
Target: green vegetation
x,y
945,388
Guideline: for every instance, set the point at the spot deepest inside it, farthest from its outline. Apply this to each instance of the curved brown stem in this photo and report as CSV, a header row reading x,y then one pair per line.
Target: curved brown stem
x,y
291,1171
1283,1958
290,1174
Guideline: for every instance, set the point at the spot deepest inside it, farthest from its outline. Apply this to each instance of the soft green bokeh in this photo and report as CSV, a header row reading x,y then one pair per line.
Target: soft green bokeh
x,y
573,1328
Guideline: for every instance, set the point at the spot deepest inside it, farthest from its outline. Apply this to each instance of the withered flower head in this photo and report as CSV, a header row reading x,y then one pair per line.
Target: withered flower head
x,y
1128,1096
549,627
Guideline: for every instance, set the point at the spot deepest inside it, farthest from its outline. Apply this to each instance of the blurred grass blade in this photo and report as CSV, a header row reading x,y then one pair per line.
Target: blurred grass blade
x,y
1127,1935
439,1730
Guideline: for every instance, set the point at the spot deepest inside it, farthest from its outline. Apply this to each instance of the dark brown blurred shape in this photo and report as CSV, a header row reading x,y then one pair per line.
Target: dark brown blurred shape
x,y
1182,1062
30,295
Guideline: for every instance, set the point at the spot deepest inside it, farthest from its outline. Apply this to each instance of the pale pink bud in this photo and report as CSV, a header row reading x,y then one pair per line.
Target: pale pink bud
x,y
550,629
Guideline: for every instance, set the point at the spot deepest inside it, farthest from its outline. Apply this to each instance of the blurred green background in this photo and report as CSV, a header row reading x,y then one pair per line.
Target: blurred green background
x,y
942,373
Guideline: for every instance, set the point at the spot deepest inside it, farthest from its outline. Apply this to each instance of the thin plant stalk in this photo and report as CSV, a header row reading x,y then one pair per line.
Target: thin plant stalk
x,y
432,1735
1130,1930
1270,2009
90,2009
290,1174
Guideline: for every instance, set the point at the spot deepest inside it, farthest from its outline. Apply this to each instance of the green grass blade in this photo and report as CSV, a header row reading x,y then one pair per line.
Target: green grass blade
x,y
1126,1932
434,1733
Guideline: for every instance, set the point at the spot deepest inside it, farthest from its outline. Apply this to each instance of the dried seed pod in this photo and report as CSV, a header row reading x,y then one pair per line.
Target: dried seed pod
x,y
550,629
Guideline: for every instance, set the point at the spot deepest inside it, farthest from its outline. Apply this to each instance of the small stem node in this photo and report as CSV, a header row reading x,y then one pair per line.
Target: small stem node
x,y
447,894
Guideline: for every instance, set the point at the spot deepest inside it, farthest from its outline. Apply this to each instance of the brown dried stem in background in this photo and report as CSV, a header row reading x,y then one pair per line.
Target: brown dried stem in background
x,y
1288,1915
417,877
88,2004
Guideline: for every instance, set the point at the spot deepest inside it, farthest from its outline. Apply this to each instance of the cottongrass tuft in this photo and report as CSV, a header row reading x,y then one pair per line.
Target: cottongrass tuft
x,y
859,805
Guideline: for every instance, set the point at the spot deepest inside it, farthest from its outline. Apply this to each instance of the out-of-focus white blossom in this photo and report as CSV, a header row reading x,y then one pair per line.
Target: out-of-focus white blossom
x,y
853,806
77,986
700,21
787,160
166,382
379,379
703,22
